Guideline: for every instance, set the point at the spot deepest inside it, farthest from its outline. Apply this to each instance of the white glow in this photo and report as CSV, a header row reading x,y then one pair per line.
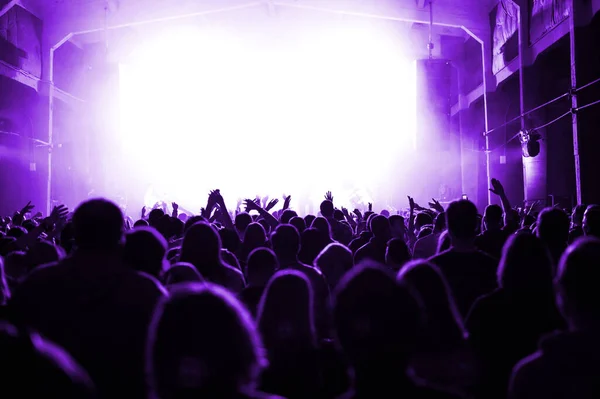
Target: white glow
x,y
331,109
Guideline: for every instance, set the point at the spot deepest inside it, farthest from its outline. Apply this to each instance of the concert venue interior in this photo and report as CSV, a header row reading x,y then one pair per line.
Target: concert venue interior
x,y
146,101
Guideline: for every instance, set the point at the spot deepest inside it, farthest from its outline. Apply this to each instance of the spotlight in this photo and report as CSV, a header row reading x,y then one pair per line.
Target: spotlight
x,y
530,143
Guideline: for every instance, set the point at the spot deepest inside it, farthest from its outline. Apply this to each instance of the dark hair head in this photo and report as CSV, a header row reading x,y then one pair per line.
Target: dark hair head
x,y
308,219
462,219
377,322
327,209
553,226
322,225
397,253
577,281
287,215
202,343
577,215
182,272
298,223
591,221
35,368
285,313
230,240
43,252
155,215
493,216
286,241
439,224
526,267
255,236
423,219
334,261
380,227
141,223
312,243
338,215
262,264
396,220
98,225
192,221
242,221
145,251
202,248
443,324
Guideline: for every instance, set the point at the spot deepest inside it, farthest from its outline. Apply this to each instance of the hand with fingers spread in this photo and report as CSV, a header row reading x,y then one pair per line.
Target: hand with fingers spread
x,y
329,196
358,214
271,204
26,209
436,206
251,205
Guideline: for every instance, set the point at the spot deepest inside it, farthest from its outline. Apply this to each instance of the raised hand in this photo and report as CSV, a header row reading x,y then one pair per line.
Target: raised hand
x,y
37,215
411,203
175,206
143,212
370,207
329,196
251,205
265,201
436,206
271,204
58,214
27,208
497,187
358,214
286,202
345,212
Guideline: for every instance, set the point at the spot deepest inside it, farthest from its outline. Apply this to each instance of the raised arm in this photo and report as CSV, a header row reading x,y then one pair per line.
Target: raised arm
x,y
253,206
225,216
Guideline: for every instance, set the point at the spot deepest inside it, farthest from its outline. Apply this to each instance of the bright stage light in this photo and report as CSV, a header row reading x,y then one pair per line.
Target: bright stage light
x,y
300,113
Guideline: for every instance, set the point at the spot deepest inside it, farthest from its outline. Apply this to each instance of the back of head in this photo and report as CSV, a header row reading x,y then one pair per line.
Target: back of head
x,y
262,264
141,223
43,252
16,232
285,313
553,226
577,215
33,367
526,267
201,247
154,216
242,221
286,241
591,221
334,261
462,219
230,240
192,221
493,217
380,227
322,225
145,251
182,272
308,219
202,342
397,253
423,219
298,223
327,209
98,225
443,324
577,282
287,215
255,235
439,224
376,321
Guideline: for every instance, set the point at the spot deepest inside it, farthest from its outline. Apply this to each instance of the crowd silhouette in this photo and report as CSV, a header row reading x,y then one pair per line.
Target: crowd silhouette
x,y
436,302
